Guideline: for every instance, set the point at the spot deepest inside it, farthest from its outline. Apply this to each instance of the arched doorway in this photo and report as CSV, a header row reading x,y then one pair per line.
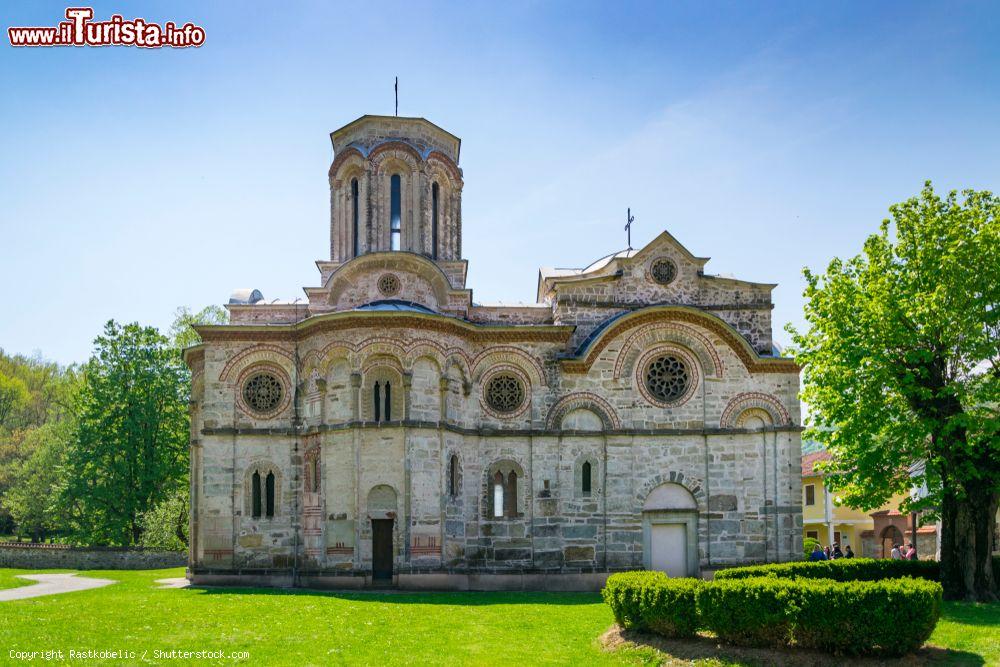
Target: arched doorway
x,y
382,512
670,531
890,536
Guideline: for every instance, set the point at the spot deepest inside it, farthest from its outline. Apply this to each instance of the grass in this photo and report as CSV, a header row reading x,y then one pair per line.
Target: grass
x,y
298,627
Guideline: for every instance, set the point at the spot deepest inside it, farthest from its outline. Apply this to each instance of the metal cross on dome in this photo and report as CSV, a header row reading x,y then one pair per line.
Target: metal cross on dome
x,y
628,226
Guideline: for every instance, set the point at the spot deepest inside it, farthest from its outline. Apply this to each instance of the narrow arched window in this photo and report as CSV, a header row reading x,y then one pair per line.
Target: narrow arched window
x,y
453,476
269,507
378,402
585,479
498,495
355,216
510,495
315,474
395,211
388,401
255,495
434,220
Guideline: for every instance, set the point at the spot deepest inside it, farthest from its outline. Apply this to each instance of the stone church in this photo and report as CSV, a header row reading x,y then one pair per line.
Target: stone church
x,y
390,430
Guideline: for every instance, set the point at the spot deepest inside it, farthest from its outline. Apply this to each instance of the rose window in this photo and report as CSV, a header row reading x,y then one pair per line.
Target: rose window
x,y
262,392
667,378
388,284
663,271
504,393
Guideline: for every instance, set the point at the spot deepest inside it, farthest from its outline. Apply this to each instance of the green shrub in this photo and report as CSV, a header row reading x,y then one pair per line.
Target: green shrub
x,y
654,602
842,569
893,616
750,612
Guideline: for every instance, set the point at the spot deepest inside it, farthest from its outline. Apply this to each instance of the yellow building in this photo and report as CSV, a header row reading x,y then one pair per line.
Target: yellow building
x,y
829,522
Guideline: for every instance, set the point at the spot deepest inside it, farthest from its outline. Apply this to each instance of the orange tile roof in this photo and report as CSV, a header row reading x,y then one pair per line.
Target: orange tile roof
x,y
810,459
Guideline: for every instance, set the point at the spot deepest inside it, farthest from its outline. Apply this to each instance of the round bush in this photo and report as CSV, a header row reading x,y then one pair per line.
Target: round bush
x,y
750,612
654,602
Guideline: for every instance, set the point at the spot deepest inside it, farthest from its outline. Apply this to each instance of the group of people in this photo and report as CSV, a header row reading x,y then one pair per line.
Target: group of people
x,y
900,553
831,552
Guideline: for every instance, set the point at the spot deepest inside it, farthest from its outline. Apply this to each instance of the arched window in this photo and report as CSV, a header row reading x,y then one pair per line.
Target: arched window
x,y
388,401
585,481
498,494
395,211
269,506
453,476
255,495
510,495
434,221
377,402
355,216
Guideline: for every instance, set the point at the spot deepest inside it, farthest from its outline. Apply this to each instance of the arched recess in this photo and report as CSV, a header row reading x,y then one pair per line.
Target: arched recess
x,y
508,355
382,502
747,404
510,499
582,401
262,468
673,334
383,391
346,287
670,530
425,389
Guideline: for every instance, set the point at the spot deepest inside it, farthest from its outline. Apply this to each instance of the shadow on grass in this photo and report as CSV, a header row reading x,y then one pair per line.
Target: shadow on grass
x,y
392,596
709,648
971,613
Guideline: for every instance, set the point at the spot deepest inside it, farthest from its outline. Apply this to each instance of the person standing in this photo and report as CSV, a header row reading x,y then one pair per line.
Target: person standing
x,y
817,553
895,554
837,553
848,552
911,551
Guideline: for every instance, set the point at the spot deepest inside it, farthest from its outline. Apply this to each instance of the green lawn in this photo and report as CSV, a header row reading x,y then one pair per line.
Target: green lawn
x,y
306,628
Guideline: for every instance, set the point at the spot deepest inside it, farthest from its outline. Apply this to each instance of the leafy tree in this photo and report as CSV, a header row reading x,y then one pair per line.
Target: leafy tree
x,y
902,373
182,333
165,526
32,497
130,446
14,397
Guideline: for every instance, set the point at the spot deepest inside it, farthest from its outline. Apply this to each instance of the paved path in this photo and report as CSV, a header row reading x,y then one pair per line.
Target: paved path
x,y
51,584
173,582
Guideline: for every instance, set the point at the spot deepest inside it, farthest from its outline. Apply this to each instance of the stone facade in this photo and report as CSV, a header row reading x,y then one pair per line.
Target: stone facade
x,y
390,427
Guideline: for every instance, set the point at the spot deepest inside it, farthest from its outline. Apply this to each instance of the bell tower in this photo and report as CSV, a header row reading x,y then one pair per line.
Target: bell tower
x,y
395,185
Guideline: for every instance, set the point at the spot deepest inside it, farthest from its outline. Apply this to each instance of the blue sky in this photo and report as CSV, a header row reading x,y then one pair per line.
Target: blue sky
x,y
768,136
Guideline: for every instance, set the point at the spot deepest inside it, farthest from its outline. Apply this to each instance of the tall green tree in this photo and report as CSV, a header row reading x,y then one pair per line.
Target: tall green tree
x,y
32,498
130,448
14,398
182,333
901,370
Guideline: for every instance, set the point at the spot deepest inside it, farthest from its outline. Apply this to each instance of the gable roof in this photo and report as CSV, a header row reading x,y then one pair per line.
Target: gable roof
x,y
810,460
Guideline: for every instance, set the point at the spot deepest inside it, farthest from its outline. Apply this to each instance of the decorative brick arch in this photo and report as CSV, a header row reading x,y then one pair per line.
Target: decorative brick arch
x,y
692,484
509,355
753,400
437,157
262,352
587,401
669,332
342,157
395,145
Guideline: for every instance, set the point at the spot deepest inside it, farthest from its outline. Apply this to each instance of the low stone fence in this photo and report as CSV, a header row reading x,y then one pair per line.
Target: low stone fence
x,y
26,555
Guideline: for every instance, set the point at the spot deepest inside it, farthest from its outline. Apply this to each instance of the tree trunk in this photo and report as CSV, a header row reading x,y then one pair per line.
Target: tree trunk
x,y
968,526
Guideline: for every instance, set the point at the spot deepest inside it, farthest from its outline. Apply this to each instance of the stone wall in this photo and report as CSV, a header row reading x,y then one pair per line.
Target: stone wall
x,y
38,556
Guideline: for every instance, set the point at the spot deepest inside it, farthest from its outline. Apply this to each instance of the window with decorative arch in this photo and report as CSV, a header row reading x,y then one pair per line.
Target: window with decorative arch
x,y
260,490
505,497
383,395
454,482
586,481
395,211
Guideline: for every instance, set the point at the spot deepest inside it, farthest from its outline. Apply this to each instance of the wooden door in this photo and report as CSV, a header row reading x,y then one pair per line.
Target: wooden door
x,y
382,549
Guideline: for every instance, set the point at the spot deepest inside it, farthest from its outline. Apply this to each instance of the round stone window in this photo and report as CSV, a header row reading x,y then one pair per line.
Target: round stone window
x,y
504,393
388,284
667,378
663,271
263,392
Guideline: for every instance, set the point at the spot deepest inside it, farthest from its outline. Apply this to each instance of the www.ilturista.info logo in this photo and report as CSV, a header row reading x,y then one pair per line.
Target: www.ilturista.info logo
x,y
79,30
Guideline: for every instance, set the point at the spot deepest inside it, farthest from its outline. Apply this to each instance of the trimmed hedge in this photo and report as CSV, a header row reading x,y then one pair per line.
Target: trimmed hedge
x,y
842,569
891,616
654,602
894,616
750,612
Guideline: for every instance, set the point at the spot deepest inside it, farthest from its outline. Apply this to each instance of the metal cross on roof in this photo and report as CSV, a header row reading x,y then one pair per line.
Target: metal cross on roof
x,y
628,226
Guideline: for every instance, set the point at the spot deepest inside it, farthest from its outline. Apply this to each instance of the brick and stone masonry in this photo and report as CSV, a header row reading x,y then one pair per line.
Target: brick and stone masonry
x,y
389,430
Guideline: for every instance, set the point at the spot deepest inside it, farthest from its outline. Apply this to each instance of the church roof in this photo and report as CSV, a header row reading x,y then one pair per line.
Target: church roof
x,y
396,305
